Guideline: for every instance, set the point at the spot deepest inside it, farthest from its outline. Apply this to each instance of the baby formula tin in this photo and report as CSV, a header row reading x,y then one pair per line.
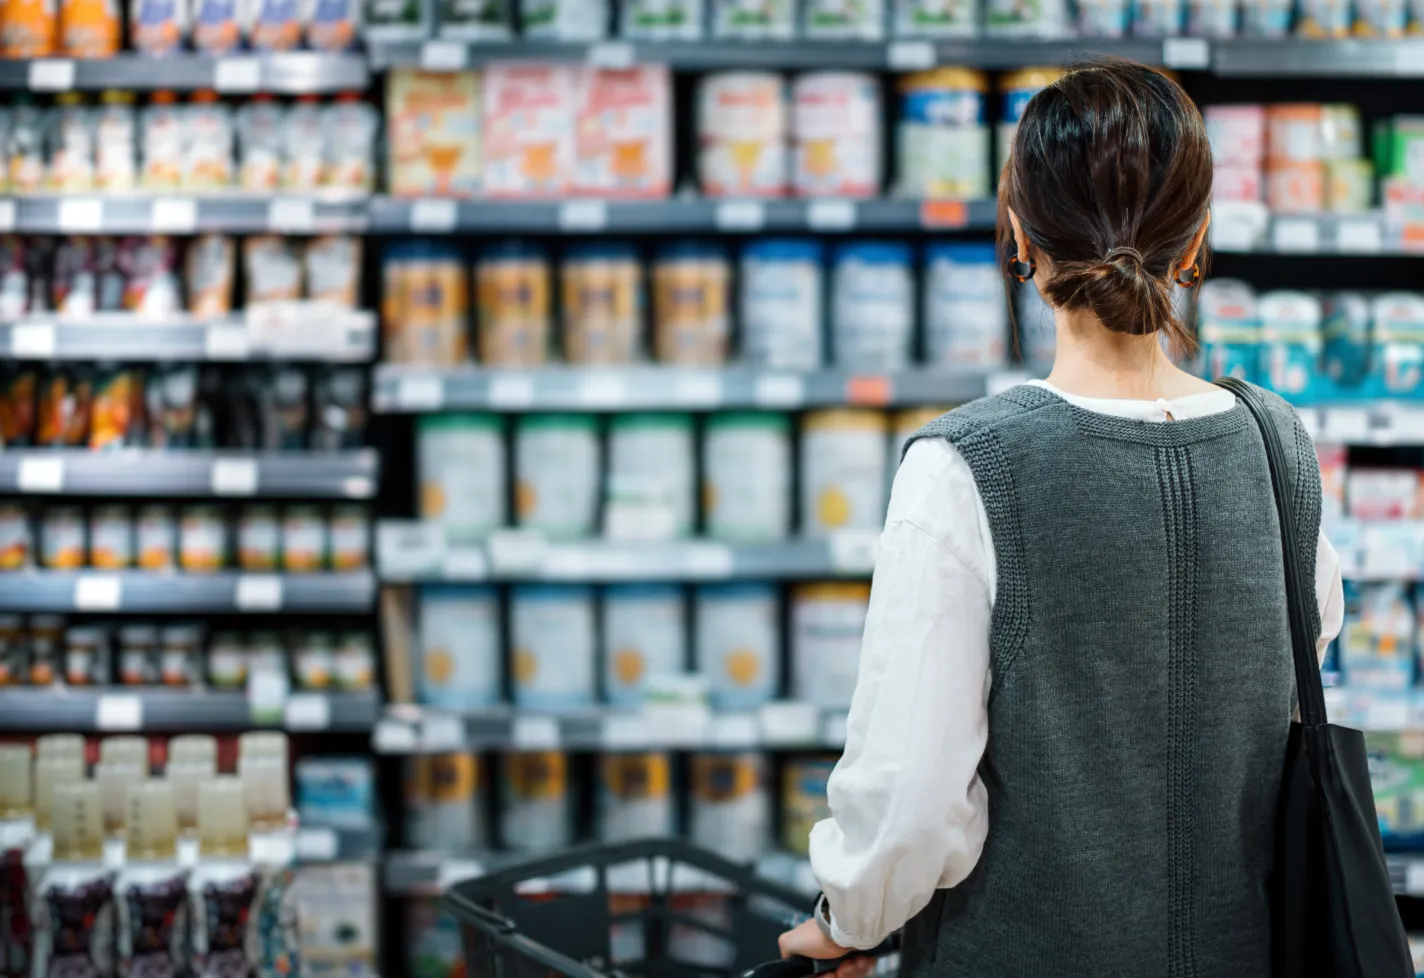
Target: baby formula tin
x,y
1397,366
827,624
746,468
862,20
444,802
259,539
649,485
1026,18
1158,18
515,310
552,637
741,136
1266,18
803,799
1295,188
425,304
564,20
691,282
158,26
965,315
202,539
304,539
460,459
1230,330
736,645
1237,134
1381,18
731,805
644,635
872,306
537,810
156,537
1017,88
842,471
556,465
312,661
1349,186
1293,133
623,133
1213,18
1324,18
1339,131
758,20
663,20
30,28
332,25
349,535
782,304
936,18
111,537
460,647
634,797
1291,337
835,131
1346,332
274,25
602,288
1103,18
943,134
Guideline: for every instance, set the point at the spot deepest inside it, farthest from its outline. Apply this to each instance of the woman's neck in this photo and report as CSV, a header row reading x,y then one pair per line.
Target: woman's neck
x,y
1093,361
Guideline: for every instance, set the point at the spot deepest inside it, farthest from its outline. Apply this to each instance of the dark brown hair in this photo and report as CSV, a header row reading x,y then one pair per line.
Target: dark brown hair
x,y
1110,175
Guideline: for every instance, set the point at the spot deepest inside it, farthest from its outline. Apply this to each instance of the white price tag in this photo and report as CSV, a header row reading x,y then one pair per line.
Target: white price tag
x,y
82,216
599,390
833,730
1295,234
38,473
464,564
226,341
51,75
854,551
454,871
625,731
7,215
434,215
697,390
910,55
278,848
294,215
1186,52
611,54
792,724
535,733
234,477
32,341
517,551
443,56
237,75
740,215
678,724
406,548
98,592
420,392
441,733
1414,877
735,731
307,711
830,215
121,712
707,561
317,844
174,215
779,391
394,737
1359,237
583,215
259,592
511,392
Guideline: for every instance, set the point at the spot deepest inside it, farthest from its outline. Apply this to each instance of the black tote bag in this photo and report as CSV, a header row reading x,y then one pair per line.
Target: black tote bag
x,y
1332,907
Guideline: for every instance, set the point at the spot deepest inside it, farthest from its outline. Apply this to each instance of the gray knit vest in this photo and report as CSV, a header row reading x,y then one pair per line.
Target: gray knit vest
x,y
1141,696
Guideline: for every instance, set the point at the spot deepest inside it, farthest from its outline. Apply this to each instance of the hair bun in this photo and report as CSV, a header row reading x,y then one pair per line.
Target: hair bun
x,y
1131,253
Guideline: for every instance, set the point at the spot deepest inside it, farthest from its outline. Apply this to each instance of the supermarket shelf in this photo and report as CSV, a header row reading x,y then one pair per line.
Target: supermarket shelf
x,y
141,591
347,337
290,73
1372,423
160,709
408,729
1262,58
138,472
1380,550
411,550
679,215
236,211
1247,228
399,388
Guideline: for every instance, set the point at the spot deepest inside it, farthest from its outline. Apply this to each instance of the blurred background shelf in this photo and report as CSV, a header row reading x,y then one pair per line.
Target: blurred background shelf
x,y
143,472
290,73
232,211
142,591
171,710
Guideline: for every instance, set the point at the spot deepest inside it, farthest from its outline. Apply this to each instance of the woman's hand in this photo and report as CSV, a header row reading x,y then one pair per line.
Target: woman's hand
x,y
807,941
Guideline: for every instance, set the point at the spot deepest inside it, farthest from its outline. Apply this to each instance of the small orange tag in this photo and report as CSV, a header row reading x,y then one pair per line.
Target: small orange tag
x,y
944,214
872,390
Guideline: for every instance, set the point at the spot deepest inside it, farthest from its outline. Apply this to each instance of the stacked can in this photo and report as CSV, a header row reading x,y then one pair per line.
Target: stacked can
x,y
1295,167
944,134
1238,149
1349,179
1017,89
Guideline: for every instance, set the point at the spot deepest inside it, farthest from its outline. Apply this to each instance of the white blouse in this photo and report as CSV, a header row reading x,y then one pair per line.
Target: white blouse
x,y
909,814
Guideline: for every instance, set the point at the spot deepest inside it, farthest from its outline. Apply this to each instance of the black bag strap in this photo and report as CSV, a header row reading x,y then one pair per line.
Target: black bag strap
x,y
1309,690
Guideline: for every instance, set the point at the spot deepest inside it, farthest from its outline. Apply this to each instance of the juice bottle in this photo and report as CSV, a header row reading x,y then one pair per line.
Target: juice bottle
x,y
89,28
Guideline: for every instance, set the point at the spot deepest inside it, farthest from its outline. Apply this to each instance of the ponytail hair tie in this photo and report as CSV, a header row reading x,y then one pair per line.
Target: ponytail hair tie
x,y
1132,253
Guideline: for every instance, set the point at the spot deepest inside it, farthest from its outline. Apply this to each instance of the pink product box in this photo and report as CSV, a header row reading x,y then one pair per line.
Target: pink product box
x,y
1237,183
1237,134
1383,494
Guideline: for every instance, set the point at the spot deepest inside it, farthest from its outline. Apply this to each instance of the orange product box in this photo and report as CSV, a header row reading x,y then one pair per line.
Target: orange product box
x,y
28,28
89,28
623,126
1297,188
529,130
433,126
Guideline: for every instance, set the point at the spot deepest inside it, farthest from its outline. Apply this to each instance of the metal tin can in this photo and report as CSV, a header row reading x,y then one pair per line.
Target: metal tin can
x,y
16,546
156,533
444,802
746,465
1324,18
227,661
1017,89
1158,18
259,538
602,288
202,539
737,644
1266,18
350,534
1381,18
965,315
650,481
1237,134
691,285
304,539
86,655
741,134
460,648
354,662
1349,186
556,463
731,806
827,625
838,20
461,466
644,635
1213,18
872,306
515,305
62,538
842,471
1103,18
803,799
138,655
312,660
765,20
1340,131
935,18
14,651
634,797
111,537
46,639
782,301
1294,131
266,652
537,812
943,134
835,131
552,635
179,647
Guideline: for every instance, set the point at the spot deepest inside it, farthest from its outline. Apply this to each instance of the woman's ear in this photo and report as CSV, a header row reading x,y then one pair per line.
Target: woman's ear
x,y
1021,244
1194,249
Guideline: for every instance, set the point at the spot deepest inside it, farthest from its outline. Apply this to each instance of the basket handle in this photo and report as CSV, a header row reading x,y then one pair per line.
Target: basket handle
x,y
497,923
799,967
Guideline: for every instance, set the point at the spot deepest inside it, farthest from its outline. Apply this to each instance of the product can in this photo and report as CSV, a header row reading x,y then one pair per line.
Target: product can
x,y
649,485
731,806
259,538
644,635
803,799
1340,131
634,797
835,131
202,539
842,471
1296,188
312,660
304,541
602,288
1158,18
1381,18
765,20
227,661
827,625
111,537
1213,18
557,469
46,634
138,655
662,20
86,655
1349,186
425,304
62,538
1237,134
936,18
1294,131
14,651
838,20
746,468
1266,18
782,304
350,532
737,644
1290,341
552,636
157,537
564,20
512,281
1103,18
691,282
872,306
965,315
460,647
944,134
444,802
266,653
354,662
537,810
742,134
16,548
460,459
1016,89
1324,18
179,647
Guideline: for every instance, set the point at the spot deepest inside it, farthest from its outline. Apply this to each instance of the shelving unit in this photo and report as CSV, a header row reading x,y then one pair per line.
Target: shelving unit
x,y
147,473
342,338
289,73
175,710
235,211
152,592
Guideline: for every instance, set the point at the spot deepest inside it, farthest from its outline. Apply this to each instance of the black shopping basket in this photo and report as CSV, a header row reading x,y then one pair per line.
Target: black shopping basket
x,y
652,909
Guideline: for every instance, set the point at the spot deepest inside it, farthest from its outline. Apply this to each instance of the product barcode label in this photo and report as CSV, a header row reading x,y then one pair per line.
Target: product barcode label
x,y
830,215
625,731
441,733
735,731
7,215
854,551
122,712
779,391
789,723
174,215
420,392
511,392
707,561
407,548
697,390
51,75
234,477
597,391
259,592
237,75
98,592
40,474
517,551
82,216
464,564
267,696
226,342
394,737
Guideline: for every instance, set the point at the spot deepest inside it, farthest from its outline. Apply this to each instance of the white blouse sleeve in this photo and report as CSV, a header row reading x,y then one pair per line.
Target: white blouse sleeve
x,y
909,814
1329,594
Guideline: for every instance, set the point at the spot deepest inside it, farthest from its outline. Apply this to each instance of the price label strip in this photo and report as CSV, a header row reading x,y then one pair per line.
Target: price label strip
x,y
40,474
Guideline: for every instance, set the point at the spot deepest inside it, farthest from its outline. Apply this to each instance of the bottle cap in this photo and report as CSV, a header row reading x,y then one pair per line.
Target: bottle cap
x,y
59,745
78,822
126,749
49,772
222,817
152,831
